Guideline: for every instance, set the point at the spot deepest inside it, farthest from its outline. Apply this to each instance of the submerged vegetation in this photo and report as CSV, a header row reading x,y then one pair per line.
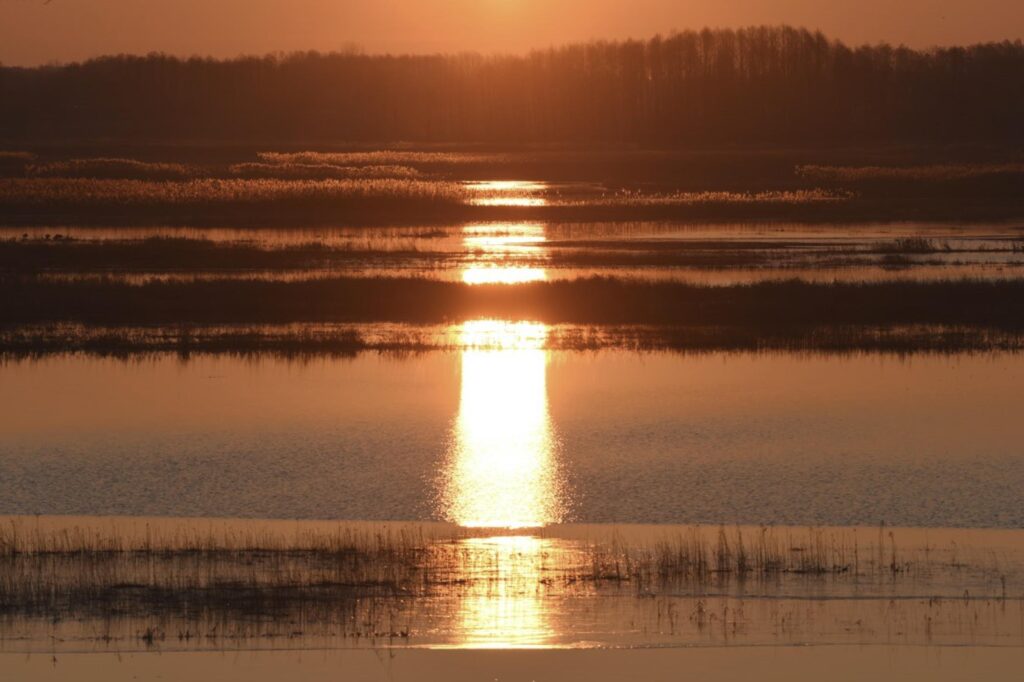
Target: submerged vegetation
x,y
197,584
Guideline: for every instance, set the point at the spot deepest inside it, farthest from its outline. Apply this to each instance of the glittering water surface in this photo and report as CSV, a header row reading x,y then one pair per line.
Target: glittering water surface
x,y
511,434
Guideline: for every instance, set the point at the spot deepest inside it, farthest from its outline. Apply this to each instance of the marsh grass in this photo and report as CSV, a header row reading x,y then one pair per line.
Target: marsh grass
x,y
402,187
383,157
44,562
320,171
228,201
765,306
301,341
400,255
93,191
913,245
712,198
702,555
113,169
175,254
196,583
933,172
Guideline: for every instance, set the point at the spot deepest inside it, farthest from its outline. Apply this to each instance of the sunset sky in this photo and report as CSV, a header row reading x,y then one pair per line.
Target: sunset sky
x,y
35,31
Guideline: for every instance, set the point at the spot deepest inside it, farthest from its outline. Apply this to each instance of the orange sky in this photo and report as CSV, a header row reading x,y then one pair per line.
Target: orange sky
x,y
36,31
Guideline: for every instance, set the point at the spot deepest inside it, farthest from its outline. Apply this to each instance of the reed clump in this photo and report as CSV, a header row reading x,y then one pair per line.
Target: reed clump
x,y
699,556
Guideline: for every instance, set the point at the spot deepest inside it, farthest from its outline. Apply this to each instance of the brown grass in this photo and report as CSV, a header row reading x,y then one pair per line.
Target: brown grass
x,y
113,169
320,171
931,173
378,158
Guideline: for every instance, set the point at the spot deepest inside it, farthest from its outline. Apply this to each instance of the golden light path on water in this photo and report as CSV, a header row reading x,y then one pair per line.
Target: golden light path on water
x,y
502,458
502,475
502,470
522,193
492,246
506,609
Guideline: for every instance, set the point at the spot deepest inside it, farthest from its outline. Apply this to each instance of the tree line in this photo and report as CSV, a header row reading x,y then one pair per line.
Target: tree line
x,y
763,85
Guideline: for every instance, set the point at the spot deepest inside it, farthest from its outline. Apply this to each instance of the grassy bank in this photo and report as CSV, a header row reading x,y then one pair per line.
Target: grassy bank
x,y
766,306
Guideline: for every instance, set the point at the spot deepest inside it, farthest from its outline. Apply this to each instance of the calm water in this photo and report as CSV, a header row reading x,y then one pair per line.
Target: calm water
x,y
507,434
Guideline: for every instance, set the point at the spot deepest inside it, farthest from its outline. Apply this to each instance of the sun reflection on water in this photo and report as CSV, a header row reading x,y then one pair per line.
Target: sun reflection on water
x,y
502,460
502,470
502,275
503,253
523,193
504,609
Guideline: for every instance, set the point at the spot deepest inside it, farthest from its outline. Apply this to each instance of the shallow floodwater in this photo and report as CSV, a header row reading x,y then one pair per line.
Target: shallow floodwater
x,y
725,664
506,433
100,584
519,252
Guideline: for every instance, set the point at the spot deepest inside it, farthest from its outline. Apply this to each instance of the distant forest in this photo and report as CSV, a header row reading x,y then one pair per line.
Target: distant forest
x,y
754,86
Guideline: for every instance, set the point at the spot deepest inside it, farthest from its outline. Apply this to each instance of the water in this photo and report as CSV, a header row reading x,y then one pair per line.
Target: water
x,y
520,252
506,433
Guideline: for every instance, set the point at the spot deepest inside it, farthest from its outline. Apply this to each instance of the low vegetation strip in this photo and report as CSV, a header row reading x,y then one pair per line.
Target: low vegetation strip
x,y
111,168
230,201
298,341
102,191
61,253
303,196
769,305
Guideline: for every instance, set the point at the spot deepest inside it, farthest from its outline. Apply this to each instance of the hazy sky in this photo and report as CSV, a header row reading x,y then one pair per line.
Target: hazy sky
x,y
36,31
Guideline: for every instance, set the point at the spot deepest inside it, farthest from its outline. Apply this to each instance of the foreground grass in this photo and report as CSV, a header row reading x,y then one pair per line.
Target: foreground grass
x,y
205,582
